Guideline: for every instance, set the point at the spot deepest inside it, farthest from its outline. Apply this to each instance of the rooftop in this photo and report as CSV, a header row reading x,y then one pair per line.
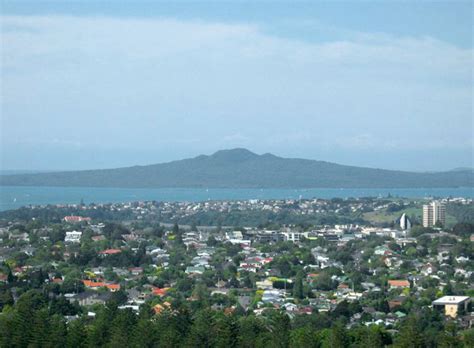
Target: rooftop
x,y
451,300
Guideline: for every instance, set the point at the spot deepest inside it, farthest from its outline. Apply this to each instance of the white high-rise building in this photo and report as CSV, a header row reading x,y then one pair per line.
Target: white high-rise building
x,y
433,213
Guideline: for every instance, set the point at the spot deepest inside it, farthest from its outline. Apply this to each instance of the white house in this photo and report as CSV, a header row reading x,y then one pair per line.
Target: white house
x,y
292,236
73,237
234,235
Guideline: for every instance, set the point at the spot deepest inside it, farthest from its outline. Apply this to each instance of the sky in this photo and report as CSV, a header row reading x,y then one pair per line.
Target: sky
x,y
107,84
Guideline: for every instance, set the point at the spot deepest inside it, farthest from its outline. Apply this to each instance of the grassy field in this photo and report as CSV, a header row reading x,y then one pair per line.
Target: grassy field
x,y
383,216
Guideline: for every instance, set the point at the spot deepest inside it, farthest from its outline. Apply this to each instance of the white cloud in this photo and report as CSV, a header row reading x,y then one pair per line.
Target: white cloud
x,y
148,81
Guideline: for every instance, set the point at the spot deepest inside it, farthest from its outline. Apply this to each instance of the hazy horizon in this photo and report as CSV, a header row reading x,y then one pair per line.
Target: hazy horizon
x,y
98,85
32,171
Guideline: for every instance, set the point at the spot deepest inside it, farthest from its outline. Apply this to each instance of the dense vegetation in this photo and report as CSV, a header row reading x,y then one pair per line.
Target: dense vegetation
x,y
265,219
36,321
461,212
241,168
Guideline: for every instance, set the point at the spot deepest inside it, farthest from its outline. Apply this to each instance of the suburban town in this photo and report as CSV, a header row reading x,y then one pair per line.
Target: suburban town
x,y
369,272
236,174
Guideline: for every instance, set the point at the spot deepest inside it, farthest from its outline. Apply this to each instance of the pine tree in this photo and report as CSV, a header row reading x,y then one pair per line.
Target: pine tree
x,y
26,316
410,335
10,276
337,337
226,331
120,328
39,328
76,334
166,328
280,326
57,332
373,337
249,329
7,327
98,332
303,337
449,338
6,298
143,334
201,334
178,236
298,286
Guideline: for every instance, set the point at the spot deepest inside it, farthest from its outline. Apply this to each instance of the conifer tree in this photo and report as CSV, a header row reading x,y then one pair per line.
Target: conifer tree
x,y
76,334
226,331
201,334
410,335
298,286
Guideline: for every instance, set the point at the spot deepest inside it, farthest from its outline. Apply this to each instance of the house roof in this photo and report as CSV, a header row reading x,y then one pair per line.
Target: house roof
x,y
110,251
159,307
399,283
99,284
160,291
113,286
92,284
84,295
451,300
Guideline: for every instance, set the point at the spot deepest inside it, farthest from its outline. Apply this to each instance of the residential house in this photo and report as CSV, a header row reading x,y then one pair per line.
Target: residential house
x,y
396,302
398,284
89,298
109,252
73,237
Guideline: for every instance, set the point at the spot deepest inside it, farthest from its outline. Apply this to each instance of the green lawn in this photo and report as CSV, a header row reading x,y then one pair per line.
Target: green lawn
x,y
382,216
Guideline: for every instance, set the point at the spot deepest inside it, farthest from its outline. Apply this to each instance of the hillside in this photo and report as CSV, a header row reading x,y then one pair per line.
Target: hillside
x,y
240,168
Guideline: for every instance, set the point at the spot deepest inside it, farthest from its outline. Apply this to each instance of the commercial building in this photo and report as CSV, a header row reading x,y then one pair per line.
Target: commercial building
x,y
452,305
433,213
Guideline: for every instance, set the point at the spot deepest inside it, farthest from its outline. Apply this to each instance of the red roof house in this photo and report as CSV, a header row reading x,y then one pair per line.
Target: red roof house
x,y
110,252
398,284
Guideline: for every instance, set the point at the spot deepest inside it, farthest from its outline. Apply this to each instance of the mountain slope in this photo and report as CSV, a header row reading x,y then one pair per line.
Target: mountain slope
x,y
240,168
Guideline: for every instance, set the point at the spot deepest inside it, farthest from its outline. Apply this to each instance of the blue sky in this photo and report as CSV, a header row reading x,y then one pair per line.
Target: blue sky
x,y
104,84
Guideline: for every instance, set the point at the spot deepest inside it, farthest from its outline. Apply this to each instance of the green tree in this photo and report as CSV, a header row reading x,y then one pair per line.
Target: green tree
x,y
324,282
249,329
448,338
304,337
226,331
410,335
40,328
468,338
6,298
168,331
201,334
8,329
57,331
373,337
279,327
298,286
121,326
76,334
337,337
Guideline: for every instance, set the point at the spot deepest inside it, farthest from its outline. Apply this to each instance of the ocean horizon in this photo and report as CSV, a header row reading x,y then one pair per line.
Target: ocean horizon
x,y
13,197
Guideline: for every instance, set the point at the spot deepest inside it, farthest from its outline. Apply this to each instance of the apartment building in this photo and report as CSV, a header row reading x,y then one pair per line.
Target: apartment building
x,y
433,213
